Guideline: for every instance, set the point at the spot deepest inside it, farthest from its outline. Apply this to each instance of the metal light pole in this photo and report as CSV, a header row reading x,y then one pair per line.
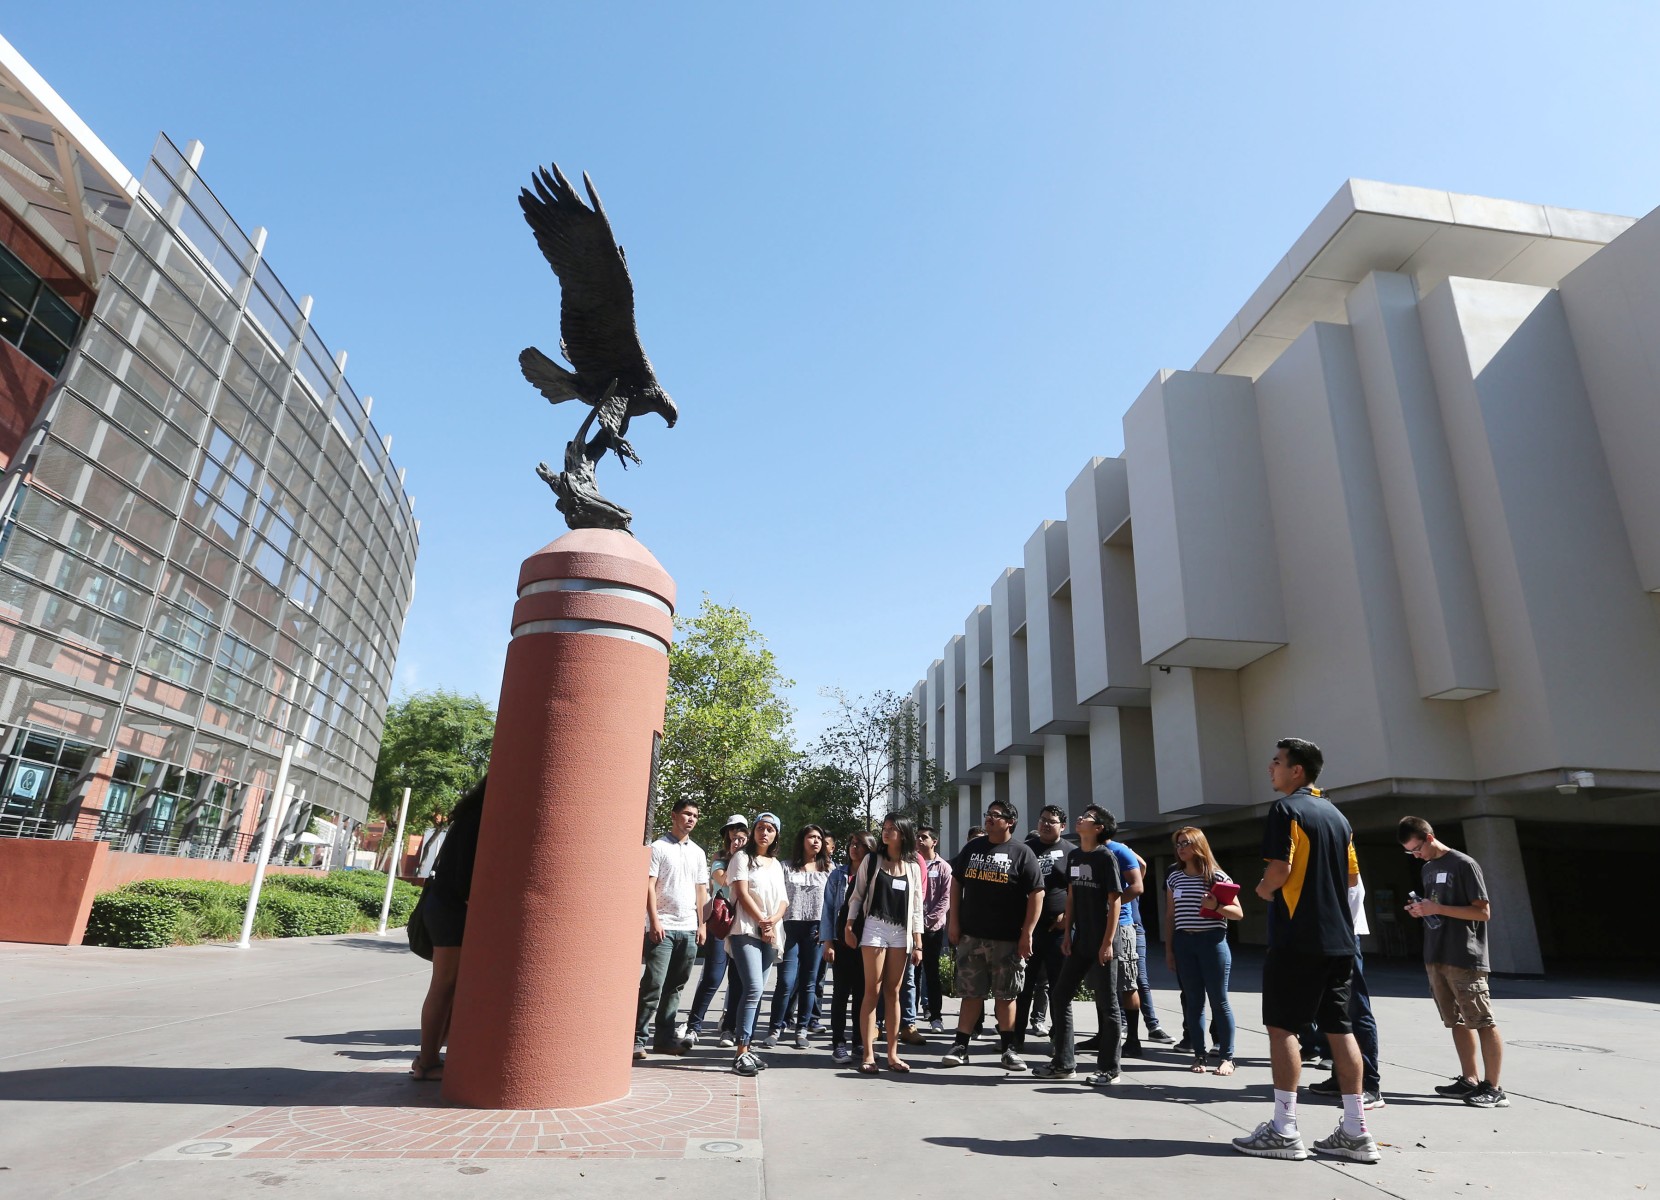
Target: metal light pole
x,y
392,863
277,805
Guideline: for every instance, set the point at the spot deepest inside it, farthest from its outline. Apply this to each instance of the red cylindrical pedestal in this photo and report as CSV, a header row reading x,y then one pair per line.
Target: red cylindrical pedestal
x,y
550,964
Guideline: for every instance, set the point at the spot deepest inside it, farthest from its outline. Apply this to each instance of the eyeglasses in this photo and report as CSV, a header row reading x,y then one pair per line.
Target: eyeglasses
x,y
1414,851
1088,821
1184,844
998,816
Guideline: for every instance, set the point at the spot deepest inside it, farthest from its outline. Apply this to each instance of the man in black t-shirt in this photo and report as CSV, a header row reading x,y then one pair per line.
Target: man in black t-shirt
x,y
996,899
1090,925
1306,977
1045,968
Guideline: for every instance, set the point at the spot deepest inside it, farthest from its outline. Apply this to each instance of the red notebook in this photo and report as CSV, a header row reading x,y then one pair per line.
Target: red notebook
x,y
1225,895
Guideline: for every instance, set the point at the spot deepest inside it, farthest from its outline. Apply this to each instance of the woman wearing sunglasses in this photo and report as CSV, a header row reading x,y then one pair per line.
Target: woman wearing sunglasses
x,y
1196,943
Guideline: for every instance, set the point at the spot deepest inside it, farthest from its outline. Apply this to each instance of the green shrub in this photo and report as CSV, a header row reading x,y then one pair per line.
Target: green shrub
x,y
134,920
299,914
213,908
948,974
366,889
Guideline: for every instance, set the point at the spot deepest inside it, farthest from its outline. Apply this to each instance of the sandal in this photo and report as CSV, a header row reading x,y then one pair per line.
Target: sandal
x,y
1198,1067
1225,1067
898,1067
869,1068
427,1074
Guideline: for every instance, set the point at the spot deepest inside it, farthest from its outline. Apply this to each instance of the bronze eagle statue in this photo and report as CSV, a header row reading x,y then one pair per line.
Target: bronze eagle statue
x,y
597,336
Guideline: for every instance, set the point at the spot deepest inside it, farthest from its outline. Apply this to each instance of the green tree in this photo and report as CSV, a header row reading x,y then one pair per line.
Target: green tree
x,y
917,785
436,744
865,743
726,731
827,796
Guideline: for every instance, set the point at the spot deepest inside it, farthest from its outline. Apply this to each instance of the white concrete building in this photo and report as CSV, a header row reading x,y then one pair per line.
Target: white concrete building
x,y
1407,506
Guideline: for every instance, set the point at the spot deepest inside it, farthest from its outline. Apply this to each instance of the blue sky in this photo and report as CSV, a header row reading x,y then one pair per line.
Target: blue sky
x,y
902,266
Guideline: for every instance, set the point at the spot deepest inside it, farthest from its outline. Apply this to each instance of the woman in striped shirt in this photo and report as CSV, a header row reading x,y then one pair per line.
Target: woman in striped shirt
x,y
1196,944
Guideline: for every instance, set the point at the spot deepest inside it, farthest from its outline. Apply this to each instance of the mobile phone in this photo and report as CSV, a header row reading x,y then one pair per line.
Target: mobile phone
x,y
1413,898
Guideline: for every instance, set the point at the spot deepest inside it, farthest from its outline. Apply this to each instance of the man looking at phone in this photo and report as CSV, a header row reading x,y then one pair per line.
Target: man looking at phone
x,y
1454,908
1309,848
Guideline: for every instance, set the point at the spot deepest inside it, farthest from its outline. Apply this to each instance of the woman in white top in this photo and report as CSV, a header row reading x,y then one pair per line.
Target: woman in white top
x,y
1196,944
805,876
888,895
761,900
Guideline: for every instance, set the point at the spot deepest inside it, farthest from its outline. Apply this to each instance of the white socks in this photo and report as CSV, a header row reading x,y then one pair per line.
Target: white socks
x,y
1354,1115
1285,1112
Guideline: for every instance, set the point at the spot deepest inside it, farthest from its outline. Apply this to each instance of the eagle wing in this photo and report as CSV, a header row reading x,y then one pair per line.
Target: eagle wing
x,y
596,296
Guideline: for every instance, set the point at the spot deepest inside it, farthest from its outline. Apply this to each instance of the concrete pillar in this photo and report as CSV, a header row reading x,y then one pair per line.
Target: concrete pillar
x,y
1512,940
581,712
1066,777
1026,783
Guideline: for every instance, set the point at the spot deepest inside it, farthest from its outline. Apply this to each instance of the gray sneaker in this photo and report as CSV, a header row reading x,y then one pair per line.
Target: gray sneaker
x,y
1012,1061
936,1026
1102,1079
1356,1147
1051,1070
801,1039
1488,1096
1266,1143
956,1056
727,1041
843,1053
768,1042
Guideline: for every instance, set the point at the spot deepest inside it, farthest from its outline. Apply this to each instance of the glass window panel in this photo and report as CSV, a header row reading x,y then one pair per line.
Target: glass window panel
x,y
199,555
186,630
13,317
62,321
49,353
267,561
252,631
192,594
17,281
60,471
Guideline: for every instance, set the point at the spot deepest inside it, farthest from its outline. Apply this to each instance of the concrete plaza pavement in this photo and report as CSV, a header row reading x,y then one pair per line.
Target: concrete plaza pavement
x,y
145,1073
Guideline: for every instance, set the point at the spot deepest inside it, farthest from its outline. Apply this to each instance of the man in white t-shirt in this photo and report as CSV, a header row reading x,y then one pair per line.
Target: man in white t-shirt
x,y
1360,1013
677,892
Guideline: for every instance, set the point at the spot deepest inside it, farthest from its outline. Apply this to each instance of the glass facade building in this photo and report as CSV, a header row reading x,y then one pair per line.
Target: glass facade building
x,y
206,552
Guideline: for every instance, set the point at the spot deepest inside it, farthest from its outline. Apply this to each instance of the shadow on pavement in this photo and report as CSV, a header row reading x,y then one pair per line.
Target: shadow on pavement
x,y
1062,1145
255,1087
395,942
362,1037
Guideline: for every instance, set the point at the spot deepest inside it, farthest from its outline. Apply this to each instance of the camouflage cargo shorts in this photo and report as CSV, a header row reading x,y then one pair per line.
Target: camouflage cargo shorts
x,y
989,969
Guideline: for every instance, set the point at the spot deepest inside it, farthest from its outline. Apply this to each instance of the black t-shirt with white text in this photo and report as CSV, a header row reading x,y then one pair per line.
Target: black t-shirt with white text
x,y
995,880
1052,862
1094,877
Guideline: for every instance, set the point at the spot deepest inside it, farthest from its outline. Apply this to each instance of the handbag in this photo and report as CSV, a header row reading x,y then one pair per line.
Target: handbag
x,y
859,921
420,937
721,916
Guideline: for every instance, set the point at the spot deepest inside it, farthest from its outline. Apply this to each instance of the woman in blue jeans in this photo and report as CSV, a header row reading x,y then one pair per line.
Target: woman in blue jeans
x,y
1196,944
805,876
760,900
734,835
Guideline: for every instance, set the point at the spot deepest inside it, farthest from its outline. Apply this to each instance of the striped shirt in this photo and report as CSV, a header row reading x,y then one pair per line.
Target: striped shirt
x,y
1186,892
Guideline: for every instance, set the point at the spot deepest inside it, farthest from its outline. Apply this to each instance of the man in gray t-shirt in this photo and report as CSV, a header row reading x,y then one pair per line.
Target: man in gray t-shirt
x,y
1452,903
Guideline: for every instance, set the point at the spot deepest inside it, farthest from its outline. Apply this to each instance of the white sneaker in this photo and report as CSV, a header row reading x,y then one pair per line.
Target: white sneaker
x,y
1012,1061
1266,1142
956,1056
1356,1147
727,1041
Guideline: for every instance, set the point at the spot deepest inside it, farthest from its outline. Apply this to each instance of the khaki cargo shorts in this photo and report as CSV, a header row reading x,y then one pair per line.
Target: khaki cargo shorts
x,y
988,968
1124,964
1461,995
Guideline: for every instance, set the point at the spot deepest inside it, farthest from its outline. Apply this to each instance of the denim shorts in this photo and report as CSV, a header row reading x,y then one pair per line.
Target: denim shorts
x,y
884,935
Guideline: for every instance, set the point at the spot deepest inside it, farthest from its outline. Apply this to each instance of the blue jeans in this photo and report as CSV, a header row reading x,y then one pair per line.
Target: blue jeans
x,y
1144,985
668,965
714,970
1366,1027
750,958
1203,964
792,998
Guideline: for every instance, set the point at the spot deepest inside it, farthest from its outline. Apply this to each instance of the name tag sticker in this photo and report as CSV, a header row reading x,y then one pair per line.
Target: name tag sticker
x,y
1076,871
1441,878
899,885
999,858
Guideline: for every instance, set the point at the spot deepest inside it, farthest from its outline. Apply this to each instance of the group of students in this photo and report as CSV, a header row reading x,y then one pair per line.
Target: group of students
x,y
1033,922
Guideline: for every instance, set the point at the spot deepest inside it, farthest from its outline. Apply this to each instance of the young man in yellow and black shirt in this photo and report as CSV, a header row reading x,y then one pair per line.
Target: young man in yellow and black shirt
x,y
1309,849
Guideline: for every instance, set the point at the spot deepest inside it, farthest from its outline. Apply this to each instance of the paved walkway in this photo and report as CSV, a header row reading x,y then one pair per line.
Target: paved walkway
x,y
207,1071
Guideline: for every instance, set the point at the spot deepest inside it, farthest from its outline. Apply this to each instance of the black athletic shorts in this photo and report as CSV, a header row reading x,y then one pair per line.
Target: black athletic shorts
x,y
445,917
1303,989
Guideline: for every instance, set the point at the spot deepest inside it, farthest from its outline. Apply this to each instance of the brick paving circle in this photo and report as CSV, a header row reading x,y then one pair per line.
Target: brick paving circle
x,y
671,1111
